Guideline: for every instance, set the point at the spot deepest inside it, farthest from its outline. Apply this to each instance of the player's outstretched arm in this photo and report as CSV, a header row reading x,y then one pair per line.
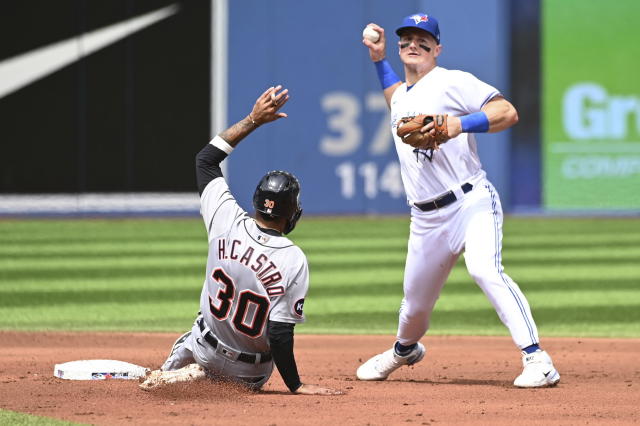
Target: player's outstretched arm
x,y
377,52
265,109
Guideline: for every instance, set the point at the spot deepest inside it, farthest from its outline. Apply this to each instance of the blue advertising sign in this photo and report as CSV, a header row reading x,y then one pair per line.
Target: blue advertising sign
x,y
337,137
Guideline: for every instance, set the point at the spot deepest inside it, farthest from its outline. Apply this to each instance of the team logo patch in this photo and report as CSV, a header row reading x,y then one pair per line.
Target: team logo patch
x,y
426,153
298,306
420,18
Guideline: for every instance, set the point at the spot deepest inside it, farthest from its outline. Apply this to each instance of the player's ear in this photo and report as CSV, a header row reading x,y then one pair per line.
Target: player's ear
x,y
437,50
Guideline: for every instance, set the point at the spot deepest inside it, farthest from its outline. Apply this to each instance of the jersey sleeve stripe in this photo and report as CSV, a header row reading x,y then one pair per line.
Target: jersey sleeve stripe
x,y
491,96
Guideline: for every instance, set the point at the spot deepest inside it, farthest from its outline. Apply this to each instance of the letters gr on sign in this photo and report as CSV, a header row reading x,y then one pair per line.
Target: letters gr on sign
x,y
589,112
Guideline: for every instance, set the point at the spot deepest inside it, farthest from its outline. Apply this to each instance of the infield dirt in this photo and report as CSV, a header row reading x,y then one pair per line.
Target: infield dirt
x,y
461,380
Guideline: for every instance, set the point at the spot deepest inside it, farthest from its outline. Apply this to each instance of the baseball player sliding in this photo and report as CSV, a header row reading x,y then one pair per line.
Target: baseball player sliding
x,y
454,208
256,278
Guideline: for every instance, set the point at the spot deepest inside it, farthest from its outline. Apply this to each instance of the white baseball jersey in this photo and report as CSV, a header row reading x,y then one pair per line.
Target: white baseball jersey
x,y
441,91
252,276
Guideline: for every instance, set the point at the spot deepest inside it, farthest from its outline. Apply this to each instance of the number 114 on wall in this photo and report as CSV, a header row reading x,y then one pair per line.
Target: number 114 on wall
x,y
368,178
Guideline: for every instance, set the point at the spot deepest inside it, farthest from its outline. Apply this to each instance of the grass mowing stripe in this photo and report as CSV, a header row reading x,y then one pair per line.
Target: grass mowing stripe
x,y
576,242
99,248
106,262
533,272
111,238
120,230
37,299
569,254
576,226
116,271
64,283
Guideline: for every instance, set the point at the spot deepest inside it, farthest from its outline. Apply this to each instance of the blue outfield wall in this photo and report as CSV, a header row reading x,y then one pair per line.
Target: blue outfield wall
x,y
337,138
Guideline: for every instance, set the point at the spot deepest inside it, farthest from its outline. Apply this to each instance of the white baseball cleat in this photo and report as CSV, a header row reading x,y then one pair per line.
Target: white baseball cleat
x,y
156,378
538,371
380,366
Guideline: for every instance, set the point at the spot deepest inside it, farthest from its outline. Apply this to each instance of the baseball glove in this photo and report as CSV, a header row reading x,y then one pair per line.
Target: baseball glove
x,y
409,131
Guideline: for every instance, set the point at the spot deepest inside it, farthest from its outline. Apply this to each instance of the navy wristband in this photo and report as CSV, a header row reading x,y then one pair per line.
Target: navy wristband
x,y
385,74
478,122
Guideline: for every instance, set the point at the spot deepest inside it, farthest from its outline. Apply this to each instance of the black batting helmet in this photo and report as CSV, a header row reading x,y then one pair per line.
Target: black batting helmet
x,y
278,194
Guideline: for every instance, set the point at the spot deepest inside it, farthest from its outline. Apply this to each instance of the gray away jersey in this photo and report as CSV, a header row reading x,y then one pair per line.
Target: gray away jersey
x,y
252,276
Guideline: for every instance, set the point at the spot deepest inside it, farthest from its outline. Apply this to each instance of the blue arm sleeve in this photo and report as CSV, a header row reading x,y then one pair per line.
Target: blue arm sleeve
x,y
386,75
478,122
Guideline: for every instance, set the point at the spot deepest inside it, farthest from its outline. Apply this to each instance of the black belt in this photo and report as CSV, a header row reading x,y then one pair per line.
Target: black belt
x,y
445,200
244,357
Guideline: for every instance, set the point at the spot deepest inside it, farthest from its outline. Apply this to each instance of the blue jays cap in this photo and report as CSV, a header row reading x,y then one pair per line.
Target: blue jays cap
x,y
423,22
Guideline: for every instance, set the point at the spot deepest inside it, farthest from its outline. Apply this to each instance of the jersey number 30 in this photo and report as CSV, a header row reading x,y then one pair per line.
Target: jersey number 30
x,y
247,302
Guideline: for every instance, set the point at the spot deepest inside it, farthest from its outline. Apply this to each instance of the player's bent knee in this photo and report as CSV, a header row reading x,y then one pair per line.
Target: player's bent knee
x,y
483,271
416,314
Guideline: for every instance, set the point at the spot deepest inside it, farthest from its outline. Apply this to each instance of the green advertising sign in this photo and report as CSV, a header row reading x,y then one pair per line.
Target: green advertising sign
x,y
591,104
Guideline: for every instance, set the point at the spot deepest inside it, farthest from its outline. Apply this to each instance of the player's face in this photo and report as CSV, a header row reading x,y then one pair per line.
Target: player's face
x,y
418,47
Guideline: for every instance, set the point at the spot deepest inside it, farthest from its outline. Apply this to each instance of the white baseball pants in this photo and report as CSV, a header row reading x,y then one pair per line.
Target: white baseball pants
x,y
472,224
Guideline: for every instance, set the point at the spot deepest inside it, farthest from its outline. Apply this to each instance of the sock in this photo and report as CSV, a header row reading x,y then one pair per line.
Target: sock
x,y
531,349
403,350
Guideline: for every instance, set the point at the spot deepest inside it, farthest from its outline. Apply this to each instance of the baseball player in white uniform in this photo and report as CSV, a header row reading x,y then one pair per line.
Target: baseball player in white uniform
x,y
256,278
454,208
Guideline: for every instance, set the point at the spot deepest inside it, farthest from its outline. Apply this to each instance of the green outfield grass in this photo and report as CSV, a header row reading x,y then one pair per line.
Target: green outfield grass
x,y
581,276
18,419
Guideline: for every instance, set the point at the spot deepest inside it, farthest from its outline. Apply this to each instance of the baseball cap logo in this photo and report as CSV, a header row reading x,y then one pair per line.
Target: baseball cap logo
x,y
420,18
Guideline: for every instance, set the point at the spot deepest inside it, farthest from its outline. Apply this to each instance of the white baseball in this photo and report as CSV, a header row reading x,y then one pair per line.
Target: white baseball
x,y
370,34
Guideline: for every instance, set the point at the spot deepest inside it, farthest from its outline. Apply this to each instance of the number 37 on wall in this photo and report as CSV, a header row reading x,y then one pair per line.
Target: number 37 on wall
x,y
343,112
